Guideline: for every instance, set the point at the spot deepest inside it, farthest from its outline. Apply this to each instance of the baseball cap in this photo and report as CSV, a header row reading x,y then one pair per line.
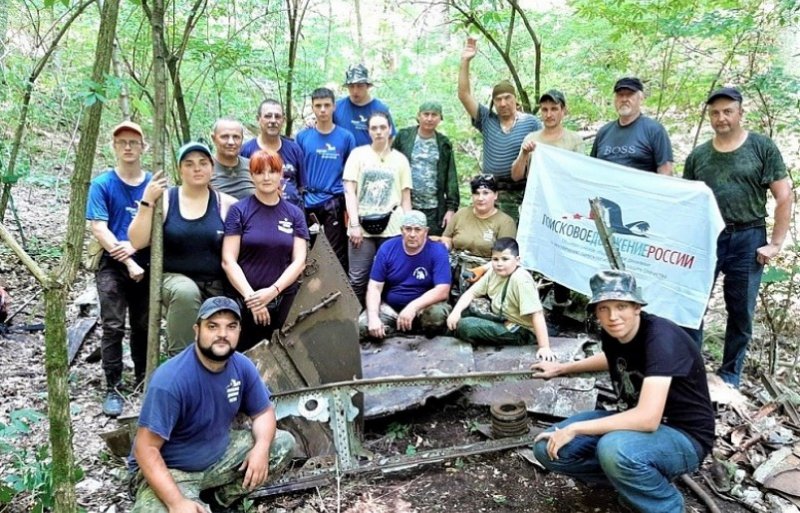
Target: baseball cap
x,y
216,304
614,285
555,96
725,92
190,147
357,74
414,218
632,83
128,125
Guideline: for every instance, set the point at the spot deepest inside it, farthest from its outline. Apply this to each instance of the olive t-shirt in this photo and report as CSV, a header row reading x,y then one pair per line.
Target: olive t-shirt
x,y
738,178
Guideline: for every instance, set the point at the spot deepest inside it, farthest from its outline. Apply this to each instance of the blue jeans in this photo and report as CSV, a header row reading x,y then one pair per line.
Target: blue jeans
x,y
736,259
639,465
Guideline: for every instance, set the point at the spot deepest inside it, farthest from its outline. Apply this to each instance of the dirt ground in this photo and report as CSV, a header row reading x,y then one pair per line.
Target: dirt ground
x,y
497,482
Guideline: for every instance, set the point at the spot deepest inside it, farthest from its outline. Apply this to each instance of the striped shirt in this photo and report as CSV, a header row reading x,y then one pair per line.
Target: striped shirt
x,y
500,148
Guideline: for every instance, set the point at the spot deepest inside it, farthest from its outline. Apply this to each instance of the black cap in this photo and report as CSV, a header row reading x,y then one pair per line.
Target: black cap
x,y
725,92
632,83
555,96
216,304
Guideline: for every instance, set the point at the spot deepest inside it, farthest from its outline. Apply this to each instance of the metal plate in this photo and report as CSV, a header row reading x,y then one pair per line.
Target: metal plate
x,y
559,397
412,356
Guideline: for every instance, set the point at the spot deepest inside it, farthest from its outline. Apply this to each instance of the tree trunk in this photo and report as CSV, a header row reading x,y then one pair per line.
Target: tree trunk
x,y
56,285
155,12
359,31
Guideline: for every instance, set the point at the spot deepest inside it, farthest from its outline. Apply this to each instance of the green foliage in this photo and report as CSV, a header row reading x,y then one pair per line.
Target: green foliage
x,y
397,431
30,477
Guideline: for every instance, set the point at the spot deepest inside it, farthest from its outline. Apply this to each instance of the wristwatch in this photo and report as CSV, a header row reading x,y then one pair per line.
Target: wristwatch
x,y
144,203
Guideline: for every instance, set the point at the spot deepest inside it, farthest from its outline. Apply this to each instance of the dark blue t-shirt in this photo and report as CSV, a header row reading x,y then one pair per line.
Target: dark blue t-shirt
x,y
292,157
407,277
193,408
643,144
354,118
324,156
268,234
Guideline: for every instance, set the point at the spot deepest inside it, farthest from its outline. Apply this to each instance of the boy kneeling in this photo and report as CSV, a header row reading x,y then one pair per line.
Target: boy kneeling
x,y
515,316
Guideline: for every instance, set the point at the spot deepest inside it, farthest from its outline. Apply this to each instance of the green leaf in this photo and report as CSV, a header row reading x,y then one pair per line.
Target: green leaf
x,y
6,494
775,275
410,450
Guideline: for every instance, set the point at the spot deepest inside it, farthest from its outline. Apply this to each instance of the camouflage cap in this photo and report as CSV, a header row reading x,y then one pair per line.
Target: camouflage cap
x,y
357,74
216,304
614,285
555,96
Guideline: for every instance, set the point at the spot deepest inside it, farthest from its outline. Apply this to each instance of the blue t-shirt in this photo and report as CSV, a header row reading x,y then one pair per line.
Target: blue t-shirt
x,y
193,408
268,234
407,277
354,118
292,157
113,201
324,156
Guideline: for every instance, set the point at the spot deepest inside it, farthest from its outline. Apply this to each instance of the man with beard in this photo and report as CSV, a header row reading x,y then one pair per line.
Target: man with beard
x,y
184,444
634,140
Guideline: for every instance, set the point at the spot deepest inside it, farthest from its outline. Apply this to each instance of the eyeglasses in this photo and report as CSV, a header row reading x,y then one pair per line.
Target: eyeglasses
x,y
122,143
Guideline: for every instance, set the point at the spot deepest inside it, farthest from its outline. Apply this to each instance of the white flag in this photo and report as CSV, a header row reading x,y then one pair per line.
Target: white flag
x,y
665,229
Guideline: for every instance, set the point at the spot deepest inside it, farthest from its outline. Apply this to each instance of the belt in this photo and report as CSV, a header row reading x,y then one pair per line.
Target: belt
x,y
737,227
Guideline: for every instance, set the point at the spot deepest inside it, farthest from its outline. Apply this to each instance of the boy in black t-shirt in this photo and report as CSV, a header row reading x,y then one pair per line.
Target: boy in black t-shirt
x,y
664,423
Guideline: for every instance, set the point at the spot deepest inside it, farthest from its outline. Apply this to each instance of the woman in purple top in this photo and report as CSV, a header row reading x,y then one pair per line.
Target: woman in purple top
x,y
264,250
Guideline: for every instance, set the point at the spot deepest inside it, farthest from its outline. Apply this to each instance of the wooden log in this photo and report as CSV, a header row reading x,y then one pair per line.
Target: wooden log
x,y
76,334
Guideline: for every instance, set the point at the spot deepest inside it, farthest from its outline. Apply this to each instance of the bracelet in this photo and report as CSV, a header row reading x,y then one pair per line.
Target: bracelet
x,y
277,288
143,203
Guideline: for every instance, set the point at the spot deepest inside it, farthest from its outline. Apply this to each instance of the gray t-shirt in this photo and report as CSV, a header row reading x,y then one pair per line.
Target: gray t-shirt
x,y
500,148
643,144
234,180
738,178
424,160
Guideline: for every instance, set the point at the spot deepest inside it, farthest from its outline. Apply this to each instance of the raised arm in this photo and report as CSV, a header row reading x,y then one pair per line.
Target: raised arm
x,y
464,87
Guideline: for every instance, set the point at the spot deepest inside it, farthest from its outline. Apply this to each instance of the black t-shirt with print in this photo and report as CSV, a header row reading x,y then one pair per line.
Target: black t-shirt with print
x,y
662,348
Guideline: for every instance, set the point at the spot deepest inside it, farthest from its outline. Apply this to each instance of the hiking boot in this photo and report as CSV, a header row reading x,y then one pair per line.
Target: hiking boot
x,y
112,406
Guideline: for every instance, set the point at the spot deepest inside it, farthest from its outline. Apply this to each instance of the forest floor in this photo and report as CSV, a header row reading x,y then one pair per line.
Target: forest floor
x,y
498,482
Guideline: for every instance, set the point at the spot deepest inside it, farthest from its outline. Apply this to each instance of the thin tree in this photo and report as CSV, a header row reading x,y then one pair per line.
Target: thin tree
x,y
57,284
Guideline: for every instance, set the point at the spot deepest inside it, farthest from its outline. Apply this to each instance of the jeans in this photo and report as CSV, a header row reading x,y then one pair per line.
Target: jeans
x,y
181,298
736,259
361,259
118,294
639,465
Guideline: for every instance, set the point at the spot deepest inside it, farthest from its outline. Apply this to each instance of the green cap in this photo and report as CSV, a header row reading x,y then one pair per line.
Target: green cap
x,y
555,96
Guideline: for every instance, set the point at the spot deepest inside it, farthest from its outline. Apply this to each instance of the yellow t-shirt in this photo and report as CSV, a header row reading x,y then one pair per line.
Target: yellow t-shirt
x,y
522,296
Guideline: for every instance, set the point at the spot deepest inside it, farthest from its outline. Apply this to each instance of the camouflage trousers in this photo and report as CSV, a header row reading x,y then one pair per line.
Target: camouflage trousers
x,y
480,331
223,476
430,321
510,202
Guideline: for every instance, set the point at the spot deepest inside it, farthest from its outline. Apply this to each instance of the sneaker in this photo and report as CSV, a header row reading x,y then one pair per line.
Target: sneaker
x,y
112,406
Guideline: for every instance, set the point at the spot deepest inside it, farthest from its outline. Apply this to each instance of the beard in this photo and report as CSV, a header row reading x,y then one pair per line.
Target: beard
x,y
209,353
